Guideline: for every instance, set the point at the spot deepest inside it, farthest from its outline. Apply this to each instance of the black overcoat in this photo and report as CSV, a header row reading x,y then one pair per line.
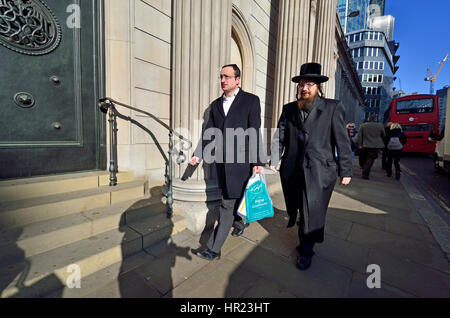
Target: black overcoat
x,y
309,147
234,157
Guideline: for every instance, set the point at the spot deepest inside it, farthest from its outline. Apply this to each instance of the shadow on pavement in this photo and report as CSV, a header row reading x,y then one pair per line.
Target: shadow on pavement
x,y
368,222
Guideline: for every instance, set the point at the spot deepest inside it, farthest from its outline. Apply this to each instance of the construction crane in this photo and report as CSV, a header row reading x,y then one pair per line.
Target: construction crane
x,y
432,77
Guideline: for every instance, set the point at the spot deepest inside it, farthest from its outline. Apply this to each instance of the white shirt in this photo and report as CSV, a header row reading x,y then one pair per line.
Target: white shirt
x,y
227,101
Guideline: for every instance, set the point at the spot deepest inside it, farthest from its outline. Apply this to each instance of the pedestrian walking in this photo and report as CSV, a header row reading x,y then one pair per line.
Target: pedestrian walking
x,y
385,151
234,110
309,130
394,145
370,140
351,135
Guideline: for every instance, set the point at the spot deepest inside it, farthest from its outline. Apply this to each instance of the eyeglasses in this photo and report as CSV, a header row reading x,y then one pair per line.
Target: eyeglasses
x,y
226,77
307,85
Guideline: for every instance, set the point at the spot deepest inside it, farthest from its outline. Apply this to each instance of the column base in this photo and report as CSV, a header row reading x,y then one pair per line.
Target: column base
x,y
197,202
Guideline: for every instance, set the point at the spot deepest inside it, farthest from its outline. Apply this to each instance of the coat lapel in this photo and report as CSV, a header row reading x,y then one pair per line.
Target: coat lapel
x,y
219,105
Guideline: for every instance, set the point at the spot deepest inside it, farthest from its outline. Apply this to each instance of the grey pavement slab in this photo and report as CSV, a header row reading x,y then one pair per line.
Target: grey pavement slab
x,y
419,251
171,268
344,253
264,288
338,227
218,279
323,279
414,230
377,221
359,289
408,276
438,227
273,235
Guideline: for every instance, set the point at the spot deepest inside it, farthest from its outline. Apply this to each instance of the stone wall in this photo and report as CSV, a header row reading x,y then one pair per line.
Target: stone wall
x,y
138,73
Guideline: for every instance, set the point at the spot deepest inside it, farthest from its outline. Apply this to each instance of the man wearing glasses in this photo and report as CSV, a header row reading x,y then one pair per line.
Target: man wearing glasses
x,y
309,131
237,112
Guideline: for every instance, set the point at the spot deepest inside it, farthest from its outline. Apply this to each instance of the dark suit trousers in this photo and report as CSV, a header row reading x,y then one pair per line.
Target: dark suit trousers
x,y
371,155
226,219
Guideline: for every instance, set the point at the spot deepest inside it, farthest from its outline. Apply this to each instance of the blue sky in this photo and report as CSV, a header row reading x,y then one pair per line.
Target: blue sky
x,y
423,30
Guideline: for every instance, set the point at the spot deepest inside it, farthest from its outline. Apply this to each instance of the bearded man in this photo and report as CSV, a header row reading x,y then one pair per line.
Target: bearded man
x,y
309,132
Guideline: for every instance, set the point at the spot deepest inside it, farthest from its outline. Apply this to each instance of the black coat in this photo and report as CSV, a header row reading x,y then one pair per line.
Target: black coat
x,y
309,148
234,158
395,133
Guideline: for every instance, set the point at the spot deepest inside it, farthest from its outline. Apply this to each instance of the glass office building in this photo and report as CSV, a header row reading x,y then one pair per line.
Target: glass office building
x,y
374,60
370,39
367,9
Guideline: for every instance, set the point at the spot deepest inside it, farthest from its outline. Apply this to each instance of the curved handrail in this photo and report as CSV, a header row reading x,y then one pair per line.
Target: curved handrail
x,y
107,106
107,100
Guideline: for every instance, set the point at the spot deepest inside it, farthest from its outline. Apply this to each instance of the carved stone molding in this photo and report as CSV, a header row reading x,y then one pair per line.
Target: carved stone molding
x,y
28,27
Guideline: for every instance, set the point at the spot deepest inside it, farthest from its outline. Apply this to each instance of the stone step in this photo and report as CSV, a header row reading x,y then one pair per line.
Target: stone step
x,y
25,188
42,273
89,285
155,203
158,227
48,271
19,213
39,237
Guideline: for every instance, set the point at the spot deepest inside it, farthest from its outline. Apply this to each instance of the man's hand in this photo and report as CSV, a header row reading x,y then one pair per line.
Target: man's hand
x,y
194,160
258,169
345,180
273,169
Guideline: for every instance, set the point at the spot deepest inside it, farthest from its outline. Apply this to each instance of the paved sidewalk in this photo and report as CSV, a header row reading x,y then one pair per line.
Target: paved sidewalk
x,y
372,221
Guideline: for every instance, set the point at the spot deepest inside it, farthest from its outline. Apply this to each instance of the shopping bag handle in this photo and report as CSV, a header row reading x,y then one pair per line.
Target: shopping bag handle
x,y
261,176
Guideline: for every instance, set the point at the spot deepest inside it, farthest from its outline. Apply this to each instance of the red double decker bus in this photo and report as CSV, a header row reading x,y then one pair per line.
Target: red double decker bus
x,y
418,115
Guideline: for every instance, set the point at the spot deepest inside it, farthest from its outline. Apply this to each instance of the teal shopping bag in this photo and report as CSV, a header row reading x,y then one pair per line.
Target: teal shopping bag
x,y
258,204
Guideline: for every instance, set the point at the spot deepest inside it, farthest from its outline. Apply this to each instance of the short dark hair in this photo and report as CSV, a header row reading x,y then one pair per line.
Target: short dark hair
x,y
237,71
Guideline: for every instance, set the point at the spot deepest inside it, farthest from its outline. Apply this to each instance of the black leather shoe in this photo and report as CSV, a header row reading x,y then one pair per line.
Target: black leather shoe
x,y
304,262
239,232
208,255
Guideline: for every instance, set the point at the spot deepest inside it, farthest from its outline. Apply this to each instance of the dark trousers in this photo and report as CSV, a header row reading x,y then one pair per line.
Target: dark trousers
x,y
293,195
393,155
362,158
384,158
226,219
307,241
371,154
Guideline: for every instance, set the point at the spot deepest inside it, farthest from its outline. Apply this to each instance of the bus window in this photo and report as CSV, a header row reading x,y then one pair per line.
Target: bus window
x,y
424,105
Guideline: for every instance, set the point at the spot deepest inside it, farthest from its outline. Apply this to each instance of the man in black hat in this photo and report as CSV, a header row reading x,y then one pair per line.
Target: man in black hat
x,y
309,131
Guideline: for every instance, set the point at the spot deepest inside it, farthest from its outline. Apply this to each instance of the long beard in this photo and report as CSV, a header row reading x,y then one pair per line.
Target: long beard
x,y
305,102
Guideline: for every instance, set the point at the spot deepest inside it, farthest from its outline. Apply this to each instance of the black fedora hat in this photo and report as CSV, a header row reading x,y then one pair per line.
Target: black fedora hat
x,y
311,71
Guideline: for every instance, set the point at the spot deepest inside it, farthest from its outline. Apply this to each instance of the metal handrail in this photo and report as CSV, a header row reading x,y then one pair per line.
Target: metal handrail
x,y
107,105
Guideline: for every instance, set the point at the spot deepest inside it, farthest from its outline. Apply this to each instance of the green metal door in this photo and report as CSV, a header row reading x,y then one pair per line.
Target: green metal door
x,y
51,76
